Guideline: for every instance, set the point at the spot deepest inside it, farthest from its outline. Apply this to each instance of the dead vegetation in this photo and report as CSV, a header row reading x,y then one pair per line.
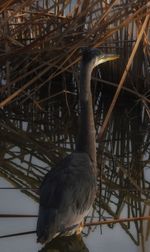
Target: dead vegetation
x,y
40,45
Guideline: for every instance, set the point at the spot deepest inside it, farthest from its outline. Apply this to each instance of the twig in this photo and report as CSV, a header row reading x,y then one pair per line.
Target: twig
x,y
18,216
17,234
123,77
112,221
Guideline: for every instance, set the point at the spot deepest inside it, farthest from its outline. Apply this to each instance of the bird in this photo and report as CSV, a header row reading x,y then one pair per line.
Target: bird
x,y
69,189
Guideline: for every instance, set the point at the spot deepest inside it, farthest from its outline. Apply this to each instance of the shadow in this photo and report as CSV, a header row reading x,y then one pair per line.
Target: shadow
x,y
72,243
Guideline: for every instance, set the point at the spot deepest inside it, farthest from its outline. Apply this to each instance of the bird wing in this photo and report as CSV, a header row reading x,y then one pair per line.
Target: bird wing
x,y
50,201
64,194
53,184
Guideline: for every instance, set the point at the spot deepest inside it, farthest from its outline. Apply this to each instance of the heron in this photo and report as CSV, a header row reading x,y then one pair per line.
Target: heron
x,y
69,190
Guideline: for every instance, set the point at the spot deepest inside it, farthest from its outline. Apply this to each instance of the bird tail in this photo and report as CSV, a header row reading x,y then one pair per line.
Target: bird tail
x,y
46,225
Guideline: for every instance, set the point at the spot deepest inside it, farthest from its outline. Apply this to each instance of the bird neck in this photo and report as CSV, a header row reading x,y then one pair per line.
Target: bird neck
x,y
86,139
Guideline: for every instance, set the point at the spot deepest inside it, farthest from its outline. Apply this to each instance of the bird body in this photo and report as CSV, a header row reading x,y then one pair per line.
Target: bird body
x,y
66,195
68,191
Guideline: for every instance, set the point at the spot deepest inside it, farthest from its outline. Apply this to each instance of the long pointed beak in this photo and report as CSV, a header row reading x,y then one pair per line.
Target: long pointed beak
x,y
108,57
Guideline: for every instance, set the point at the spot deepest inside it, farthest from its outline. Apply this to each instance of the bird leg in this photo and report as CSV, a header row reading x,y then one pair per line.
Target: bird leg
x,y
80,228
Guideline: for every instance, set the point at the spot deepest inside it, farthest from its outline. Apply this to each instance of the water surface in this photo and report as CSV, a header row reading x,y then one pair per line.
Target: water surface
x,y
114,240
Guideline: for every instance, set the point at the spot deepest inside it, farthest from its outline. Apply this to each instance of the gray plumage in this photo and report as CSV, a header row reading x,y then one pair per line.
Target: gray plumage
x,y
68,191
65,194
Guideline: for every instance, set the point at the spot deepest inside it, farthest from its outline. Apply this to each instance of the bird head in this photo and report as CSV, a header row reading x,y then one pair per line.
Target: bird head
x,y
95,57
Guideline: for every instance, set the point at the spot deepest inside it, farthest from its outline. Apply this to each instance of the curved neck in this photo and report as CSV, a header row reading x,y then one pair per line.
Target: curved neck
x,y
86,138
